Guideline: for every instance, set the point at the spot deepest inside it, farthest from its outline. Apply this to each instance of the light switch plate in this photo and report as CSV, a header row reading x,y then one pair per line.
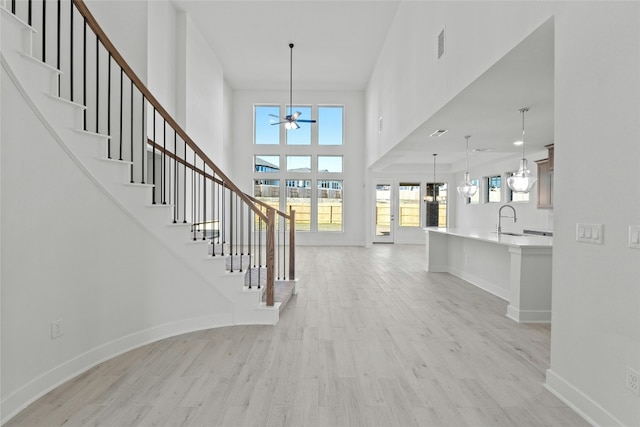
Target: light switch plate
x,y
590,233
634,236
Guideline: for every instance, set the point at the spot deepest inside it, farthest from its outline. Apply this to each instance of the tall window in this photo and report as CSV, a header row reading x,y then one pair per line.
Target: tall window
x,y
301,136
475,199
516,197
409,206
330,121
299,199
303,168
329,205
494,189
264,131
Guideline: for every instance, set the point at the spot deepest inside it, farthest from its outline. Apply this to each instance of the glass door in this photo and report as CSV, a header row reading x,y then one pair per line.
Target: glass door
x,y
384,213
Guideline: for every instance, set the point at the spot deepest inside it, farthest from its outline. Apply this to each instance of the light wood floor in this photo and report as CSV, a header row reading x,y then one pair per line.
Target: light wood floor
x,y
371,339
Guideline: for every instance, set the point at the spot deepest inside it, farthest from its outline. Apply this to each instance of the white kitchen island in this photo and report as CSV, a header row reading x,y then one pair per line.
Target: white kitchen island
x,y
514,268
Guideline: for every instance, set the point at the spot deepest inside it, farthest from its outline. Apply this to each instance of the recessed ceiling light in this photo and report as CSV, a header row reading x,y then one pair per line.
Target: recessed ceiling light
x,y
439,132
480,150
518,143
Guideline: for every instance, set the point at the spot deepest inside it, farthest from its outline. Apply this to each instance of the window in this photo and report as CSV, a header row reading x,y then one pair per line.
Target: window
x,y
409,204
330,121
516,197
267,191
299,164
436,204
330,164
300,136
475,199
494,189
299,199
266,163
329,205
264,131
301,169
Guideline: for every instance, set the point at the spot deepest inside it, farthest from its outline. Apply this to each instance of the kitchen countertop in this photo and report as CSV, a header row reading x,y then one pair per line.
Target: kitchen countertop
x,y
527,240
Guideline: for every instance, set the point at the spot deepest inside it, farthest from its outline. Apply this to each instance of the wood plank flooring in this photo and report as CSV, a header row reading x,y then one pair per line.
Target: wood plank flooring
x,y
371,339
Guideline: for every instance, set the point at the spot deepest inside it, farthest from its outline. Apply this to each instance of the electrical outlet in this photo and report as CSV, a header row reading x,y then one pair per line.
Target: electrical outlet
x,y
633,380
57,329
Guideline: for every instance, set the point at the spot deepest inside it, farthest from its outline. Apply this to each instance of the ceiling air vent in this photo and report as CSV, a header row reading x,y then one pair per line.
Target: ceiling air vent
x,y
441,44
439,132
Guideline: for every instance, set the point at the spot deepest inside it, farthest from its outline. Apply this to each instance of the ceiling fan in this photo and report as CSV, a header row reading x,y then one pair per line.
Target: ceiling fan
x,y
290,120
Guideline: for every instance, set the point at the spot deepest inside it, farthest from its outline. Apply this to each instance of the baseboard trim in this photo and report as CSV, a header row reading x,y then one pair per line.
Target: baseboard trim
x,y
528,316
57,376
582,404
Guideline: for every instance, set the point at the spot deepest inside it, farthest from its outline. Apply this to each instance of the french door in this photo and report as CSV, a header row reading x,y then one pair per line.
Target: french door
x,y
384,212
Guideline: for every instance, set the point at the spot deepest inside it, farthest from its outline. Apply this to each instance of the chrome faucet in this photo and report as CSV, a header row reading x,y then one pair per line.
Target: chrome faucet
x,y
500,216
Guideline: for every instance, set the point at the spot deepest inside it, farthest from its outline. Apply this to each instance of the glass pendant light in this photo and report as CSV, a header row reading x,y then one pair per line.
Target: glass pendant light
x,y
468,189
522,181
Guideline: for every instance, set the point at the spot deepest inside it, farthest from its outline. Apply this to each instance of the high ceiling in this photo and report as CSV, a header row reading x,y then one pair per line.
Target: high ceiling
x,y
337,44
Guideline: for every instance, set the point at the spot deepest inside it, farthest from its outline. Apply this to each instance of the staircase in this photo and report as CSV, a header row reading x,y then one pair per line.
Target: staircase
x,y
163,185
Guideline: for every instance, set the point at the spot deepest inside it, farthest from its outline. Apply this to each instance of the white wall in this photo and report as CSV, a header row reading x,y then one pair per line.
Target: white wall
x,y
353,161
161,53
69,252
596,288
125,23
201,93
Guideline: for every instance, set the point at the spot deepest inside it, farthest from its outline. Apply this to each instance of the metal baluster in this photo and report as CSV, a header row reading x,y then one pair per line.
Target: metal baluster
x,y
193,199
70,50
175,175
153,160
231,228
163,173
109,106
259,253
84,74
223,221
97,84
44,31
184,183
121,108
204,201
143,141
57,42
131,132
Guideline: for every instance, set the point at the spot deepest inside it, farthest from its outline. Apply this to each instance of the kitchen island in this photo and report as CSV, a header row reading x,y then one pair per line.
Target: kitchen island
x,y
514,268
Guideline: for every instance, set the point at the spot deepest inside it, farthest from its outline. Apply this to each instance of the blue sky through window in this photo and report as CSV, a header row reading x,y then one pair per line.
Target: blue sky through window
x,y
265,132
330,125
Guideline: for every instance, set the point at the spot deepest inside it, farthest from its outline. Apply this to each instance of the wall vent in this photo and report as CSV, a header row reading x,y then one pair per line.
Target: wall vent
x,y
441,44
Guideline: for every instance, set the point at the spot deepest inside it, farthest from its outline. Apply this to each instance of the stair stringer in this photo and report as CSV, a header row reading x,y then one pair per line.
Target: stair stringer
x,y
38,82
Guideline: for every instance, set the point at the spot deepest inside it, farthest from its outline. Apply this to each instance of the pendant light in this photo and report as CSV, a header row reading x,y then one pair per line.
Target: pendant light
x,y
468,189
433,197
522,181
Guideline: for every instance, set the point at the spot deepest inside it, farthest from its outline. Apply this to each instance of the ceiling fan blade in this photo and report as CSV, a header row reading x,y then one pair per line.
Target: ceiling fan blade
x,y
305,121
295,115
277,123
273,115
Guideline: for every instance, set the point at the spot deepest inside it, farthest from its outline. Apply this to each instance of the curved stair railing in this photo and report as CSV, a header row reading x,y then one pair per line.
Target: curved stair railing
x,y
160,153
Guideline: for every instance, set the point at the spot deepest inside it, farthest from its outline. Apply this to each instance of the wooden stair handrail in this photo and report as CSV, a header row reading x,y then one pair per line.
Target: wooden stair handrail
x,y
197,170
106,42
